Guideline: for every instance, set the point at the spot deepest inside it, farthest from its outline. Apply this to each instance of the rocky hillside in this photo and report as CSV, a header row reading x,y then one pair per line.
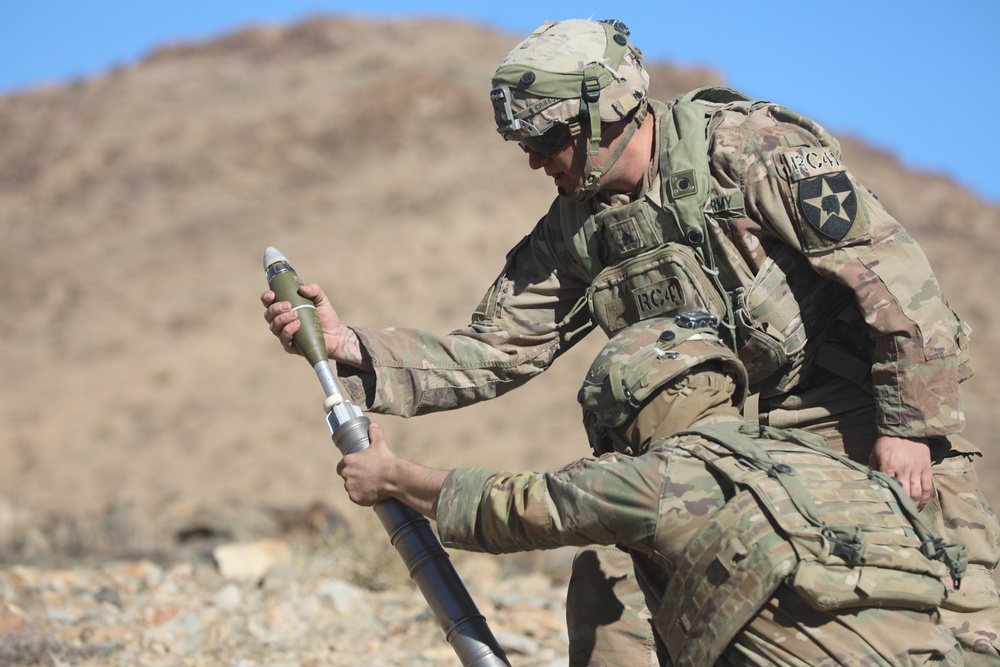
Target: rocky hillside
x,y
135,206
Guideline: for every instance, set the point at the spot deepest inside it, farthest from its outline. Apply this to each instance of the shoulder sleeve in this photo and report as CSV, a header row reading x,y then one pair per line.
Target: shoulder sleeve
x,y
533,312
798,189
611,500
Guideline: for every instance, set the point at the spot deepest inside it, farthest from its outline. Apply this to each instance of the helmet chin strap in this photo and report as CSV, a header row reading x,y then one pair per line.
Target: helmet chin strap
x,y
593,174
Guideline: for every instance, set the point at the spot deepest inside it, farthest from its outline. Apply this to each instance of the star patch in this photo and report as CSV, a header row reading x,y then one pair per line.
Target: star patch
x,y
829,204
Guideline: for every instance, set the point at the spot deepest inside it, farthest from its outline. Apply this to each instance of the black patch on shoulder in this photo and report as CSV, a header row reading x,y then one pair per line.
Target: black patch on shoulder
x,y
829,204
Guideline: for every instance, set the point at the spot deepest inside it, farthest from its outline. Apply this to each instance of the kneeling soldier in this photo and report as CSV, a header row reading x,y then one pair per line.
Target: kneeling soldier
x,y
752,545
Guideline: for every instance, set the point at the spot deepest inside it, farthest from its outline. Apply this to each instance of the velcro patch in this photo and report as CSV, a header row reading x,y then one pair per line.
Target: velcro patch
x,y
665,296
829,204
625,237
809,162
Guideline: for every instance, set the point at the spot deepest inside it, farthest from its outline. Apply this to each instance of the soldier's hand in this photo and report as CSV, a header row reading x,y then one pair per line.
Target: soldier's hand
x,y
342,343
366,473
909,461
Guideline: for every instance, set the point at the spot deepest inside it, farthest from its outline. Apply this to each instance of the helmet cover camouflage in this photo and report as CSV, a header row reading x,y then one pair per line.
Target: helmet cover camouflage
x,y
644,357
544,80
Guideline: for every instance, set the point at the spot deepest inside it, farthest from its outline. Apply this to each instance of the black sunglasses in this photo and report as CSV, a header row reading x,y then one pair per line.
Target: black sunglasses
x,y
548,143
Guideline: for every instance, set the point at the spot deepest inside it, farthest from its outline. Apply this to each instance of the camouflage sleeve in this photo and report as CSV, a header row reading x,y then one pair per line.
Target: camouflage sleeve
x,y
610,500
797,188
528,317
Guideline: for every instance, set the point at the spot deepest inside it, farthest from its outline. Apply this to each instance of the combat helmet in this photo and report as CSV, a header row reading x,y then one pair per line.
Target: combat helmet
x,y
571,75
644,357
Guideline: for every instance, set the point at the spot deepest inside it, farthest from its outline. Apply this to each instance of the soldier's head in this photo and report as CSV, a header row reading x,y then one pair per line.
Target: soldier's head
x,y
657,377
563,86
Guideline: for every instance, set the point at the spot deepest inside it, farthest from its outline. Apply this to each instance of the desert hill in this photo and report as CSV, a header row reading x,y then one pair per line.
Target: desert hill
x,y
135,207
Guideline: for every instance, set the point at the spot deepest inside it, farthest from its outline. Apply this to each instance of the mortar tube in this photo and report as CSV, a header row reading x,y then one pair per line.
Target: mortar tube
x,y
409,531
429,565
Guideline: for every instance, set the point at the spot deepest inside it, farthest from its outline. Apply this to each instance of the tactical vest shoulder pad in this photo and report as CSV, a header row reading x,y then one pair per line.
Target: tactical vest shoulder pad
x,y
715,94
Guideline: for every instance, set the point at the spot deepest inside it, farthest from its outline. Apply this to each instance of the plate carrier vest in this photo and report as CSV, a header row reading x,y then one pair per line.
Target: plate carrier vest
x,y
838,533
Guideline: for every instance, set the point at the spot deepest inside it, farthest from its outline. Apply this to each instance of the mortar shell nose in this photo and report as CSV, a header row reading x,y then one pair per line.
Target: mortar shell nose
x,y
272,255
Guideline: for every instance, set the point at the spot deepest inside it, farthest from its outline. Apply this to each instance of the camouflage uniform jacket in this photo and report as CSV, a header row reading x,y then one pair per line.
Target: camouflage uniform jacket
x,y
688,507
780,195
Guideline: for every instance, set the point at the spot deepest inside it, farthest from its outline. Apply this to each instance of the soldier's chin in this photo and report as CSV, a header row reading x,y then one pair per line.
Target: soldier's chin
x,y
576,195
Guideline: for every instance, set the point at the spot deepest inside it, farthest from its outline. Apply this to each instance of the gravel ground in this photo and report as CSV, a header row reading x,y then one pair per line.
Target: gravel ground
x,y
275,601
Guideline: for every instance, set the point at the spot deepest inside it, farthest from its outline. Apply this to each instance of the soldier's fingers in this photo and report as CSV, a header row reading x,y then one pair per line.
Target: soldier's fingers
x,y
875,464
897,480
285,330
927,486
282,320
276,309
267,298
311,291
911,482
915,489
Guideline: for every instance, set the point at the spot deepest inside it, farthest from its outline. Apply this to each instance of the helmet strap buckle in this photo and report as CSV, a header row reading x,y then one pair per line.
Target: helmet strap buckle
x,y
591,89
503,113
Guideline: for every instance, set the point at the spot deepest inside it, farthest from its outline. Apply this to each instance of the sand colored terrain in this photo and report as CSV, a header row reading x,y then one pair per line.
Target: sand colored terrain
x,y
135,207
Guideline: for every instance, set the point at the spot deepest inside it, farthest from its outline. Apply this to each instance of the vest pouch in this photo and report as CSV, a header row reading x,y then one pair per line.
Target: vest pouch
x,y
771,314
829,587
660,282
761,353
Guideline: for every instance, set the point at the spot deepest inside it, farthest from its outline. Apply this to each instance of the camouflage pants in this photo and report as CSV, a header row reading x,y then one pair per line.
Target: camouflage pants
x,y
790,633
606,615
957,509
609,624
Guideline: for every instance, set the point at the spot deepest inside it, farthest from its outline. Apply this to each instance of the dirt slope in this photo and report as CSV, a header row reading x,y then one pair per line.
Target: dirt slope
x,y
135,206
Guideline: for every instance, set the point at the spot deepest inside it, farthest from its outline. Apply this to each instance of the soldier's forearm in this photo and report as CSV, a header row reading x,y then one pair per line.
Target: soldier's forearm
x,y
350,351
415,485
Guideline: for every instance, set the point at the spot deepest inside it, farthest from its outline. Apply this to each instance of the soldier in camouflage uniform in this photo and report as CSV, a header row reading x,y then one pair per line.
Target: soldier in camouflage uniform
x,y
739,207
771,549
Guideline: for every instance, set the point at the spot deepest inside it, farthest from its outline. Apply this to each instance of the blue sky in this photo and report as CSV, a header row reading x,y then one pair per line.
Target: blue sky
x,y
918,78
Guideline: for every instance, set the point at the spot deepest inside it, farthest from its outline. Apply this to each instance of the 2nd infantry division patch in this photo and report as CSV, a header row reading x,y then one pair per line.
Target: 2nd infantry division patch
x,y
833,216
829,204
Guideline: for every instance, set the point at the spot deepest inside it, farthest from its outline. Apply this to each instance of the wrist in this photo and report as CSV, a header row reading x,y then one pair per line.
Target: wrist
x,y
905,438
392,479
350,351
